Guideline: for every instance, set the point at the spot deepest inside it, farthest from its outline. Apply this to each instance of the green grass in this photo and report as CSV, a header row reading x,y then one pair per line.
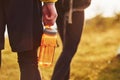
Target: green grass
x,y
94,59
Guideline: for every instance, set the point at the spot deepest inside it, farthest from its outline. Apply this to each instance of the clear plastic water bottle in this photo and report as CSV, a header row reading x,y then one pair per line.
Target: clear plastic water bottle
x,y
47,47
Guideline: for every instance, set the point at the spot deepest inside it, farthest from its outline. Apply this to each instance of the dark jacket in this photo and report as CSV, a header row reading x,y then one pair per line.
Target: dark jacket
x,y
65,4
23,19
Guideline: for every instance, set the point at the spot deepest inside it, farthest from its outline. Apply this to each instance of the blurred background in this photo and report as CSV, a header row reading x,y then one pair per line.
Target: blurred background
x,y
107,8
97,55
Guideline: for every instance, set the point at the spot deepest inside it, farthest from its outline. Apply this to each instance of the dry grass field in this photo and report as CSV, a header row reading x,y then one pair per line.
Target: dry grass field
x,y
95,58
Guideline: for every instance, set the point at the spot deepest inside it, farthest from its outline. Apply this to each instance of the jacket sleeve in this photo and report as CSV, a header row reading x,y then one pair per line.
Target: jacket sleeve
x,y
48,0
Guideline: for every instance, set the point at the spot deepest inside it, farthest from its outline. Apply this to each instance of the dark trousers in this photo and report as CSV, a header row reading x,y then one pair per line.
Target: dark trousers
x,y
28,65
70,38
0,59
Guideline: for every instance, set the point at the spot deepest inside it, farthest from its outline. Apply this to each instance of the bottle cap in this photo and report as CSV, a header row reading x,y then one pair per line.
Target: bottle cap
x,y
50,31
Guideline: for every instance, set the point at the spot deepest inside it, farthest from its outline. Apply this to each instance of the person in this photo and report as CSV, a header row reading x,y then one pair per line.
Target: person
x,y
70,23
24,20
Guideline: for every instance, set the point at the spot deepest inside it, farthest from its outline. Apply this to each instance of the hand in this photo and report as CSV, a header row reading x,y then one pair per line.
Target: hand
x,y
49,14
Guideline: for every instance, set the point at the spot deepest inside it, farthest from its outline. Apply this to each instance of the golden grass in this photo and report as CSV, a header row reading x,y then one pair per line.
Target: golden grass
x,y
91,62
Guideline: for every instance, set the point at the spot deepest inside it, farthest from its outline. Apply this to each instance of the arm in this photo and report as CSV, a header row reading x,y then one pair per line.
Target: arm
x,y
48,0
49,12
